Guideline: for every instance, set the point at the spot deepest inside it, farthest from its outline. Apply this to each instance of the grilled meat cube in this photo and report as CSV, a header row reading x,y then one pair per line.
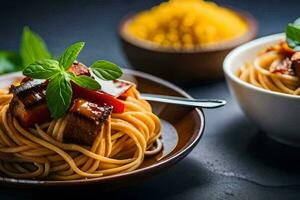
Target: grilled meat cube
x,y
30,92
27,117
26,79
84,122
283,67
79,69
295,59
28,104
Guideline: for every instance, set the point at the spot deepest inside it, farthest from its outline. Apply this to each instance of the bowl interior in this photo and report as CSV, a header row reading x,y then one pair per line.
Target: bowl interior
x,y
182,128
250,34
247,52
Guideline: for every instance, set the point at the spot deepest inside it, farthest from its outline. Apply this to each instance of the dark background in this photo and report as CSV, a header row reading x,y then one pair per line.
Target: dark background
x,y
233,159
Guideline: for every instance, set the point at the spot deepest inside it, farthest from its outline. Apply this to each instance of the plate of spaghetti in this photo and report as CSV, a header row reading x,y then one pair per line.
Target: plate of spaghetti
x,y
62,123
264,76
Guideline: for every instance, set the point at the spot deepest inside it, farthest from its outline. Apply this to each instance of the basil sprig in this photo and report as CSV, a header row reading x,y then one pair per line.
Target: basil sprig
x,y
32,48
59,95
70,55
292,32
9,62
59,89
106,70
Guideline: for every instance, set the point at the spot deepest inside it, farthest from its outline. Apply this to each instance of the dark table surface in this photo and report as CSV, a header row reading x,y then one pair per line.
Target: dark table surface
x,y
233,160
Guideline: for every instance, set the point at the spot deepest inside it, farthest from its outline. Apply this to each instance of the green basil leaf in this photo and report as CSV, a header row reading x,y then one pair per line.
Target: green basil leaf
x,y
293,36
9,62
58,96
70,55
33,47
85,82
42,69
106,70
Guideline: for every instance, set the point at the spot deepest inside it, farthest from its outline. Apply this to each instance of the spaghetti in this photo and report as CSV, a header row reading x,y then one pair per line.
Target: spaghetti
x,y
39,152
273,69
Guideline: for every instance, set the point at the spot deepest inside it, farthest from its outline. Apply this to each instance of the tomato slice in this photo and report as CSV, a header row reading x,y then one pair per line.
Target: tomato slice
x,y
98,97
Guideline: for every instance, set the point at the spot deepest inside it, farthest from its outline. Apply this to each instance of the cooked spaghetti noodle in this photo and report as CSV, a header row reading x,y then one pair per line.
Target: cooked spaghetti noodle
x,y
40,152
273,69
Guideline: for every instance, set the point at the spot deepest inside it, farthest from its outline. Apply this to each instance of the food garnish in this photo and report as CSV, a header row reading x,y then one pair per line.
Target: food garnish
x,y
32,48
59,88
292,32
9,62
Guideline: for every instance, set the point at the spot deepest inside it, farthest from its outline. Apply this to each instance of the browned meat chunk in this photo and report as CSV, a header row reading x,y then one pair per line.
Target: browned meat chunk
x,y
84,122
79,69
283,67
28,104
30,92
296,63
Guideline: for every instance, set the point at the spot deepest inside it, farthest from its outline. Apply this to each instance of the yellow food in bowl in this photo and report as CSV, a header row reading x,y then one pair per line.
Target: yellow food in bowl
x,y
186,24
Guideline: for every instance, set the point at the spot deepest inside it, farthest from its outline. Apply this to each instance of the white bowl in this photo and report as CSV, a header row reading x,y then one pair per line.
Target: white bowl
x,y
276,114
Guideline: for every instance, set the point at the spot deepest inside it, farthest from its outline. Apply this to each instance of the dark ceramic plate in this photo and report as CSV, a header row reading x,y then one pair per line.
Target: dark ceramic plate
x,y
182,129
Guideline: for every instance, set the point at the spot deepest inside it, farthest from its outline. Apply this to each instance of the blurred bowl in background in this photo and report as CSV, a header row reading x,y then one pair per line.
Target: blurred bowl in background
x,y
186,65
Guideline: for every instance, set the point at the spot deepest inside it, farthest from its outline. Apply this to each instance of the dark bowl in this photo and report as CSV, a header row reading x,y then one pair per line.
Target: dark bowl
x,y
179,66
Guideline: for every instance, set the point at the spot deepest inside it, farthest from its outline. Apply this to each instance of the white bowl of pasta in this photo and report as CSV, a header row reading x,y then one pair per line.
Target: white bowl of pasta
x,y
262,77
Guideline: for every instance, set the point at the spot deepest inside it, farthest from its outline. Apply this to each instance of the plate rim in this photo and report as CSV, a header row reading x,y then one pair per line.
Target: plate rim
x,y
151,168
